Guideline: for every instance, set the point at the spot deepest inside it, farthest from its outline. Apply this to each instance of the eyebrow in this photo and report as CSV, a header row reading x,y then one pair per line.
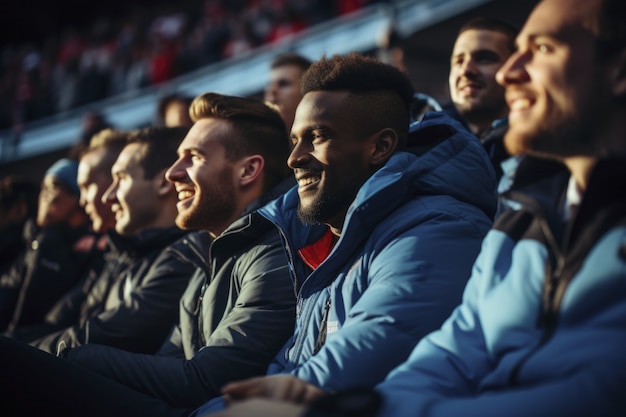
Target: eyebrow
x,y
190,150
309,129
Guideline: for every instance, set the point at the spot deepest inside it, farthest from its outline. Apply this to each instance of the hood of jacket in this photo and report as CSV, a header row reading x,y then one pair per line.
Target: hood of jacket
x,y
442,158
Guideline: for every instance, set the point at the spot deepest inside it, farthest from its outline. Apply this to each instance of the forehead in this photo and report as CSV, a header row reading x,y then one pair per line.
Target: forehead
x,y
472,40
290,72
322,107
206,135
567,20
127,159
89,163
51,182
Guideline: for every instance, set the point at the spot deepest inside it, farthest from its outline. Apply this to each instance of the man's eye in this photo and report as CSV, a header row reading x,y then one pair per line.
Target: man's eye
x,y
543,48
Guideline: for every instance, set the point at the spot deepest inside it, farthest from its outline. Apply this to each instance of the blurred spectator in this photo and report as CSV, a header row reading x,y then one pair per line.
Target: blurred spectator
x,y
390,50
18,203
59,250
134,302
93,178
92,123
283,88
146,47
173,110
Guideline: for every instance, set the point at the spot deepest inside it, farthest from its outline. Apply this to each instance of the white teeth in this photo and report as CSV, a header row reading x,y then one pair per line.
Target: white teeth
x,y
520,104
182,195
302,182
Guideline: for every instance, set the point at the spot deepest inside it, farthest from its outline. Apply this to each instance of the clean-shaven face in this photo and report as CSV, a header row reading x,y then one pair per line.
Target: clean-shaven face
x,y
283,90
93,180
133,197
56,204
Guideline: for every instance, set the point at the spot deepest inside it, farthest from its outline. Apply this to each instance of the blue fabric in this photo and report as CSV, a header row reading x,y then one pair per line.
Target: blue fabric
x,y
390,277
66,171
496,354
399,267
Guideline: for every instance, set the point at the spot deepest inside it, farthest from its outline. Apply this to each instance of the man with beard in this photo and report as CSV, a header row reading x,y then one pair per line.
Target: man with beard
x,y
239,307
482,45
384,214
542,327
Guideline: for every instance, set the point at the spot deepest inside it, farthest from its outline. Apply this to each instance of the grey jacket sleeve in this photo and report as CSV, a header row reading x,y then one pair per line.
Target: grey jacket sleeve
x,y
241,345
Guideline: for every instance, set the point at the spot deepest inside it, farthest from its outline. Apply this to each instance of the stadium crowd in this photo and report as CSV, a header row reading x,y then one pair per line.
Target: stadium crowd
x,y
334,250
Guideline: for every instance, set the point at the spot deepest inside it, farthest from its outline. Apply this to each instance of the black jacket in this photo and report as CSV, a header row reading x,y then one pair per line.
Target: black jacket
x,y
54,260
237,312
134,302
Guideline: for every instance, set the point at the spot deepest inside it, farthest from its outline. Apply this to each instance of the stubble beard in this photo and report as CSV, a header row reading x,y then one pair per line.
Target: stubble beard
x,y
210,208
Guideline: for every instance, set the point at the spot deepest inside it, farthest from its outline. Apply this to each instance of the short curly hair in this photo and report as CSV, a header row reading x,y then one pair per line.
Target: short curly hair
x,y
380,91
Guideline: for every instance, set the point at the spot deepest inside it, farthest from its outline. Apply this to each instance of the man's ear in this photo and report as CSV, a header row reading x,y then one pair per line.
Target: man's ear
x,y
384,144
618,75
162,185
250,169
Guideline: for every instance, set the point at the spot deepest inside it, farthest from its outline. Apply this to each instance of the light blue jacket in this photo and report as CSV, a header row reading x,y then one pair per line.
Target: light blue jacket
x,y
399,268
542,327
404,256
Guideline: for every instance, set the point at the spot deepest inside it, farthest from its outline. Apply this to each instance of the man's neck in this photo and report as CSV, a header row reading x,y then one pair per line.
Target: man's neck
x,y
580,167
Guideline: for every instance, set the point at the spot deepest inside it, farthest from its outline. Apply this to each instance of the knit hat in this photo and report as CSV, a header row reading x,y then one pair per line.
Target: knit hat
x,y
65,170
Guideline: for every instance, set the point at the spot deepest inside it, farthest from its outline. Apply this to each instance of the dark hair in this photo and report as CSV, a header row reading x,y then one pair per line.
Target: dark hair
x,y
160,147
166,100
16,190
611,27
382,91
290,58
259,130
495,25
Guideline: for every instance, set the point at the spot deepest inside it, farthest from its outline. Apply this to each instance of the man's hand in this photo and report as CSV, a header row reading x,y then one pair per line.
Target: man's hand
x,y
275,387
262,408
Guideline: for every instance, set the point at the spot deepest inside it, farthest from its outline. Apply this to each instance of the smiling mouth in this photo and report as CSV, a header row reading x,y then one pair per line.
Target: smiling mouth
x,y
185,194
519,105
469,86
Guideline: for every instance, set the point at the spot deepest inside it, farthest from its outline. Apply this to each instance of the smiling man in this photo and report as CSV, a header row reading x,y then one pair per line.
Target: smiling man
x,y
542,327
134,300
239,306
93,178
371,228
481,47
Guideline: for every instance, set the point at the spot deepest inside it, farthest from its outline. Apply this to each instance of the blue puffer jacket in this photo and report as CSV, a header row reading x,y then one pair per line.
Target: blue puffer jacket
x,y
399,268
542,327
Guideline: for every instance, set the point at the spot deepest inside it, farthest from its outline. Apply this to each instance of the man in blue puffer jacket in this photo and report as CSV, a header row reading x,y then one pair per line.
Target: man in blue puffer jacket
x,y
394,235
542,327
